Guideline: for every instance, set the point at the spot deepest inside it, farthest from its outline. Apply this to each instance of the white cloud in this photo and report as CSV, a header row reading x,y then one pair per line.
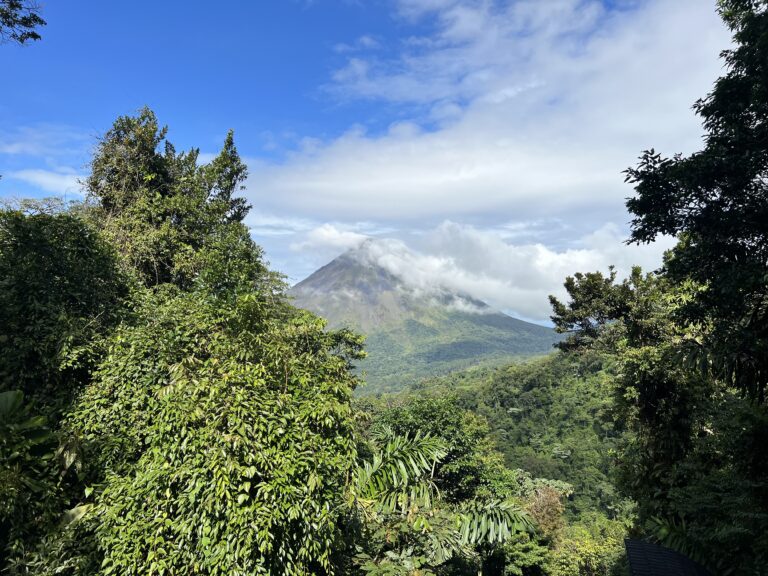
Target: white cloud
x,y
364,42
513,277
538,107
329,236
264,224
43,140
63,181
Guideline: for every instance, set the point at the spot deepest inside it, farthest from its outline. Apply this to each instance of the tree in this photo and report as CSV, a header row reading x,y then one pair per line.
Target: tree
x,y
403,522
471,468
595,301
173,220
19,20
218,440
692,340
212,426
28,473
691,457
716,201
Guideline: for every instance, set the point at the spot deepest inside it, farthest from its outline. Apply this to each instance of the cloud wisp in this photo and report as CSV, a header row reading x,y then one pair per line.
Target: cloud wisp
x,y
60,182
40,159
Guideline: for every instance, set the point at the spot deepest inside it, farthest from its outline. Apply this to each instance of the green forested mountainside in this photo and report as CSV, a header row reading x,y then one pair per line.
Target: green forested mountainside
x,y
550,416
410,335
439,341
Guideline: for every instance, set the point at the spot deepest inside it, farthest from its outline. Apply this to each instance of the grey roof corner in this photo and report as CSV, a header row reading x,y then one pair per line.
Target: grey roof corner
x,y
646,559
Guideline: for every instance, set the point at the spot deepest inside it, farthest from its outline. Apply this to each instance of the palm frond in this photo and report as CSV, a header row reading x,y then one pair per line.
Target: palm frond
x,y
492,522
399,475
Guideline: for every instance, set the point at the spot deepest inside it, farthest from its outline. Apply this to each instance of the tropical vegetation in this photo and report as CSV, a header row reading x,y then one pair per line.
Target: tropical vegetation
x,y
166,410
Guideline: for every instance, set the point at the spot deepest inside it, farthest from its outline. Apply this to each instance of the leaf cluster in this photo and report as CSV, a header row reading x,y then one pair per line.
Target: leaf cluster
x,y
19,21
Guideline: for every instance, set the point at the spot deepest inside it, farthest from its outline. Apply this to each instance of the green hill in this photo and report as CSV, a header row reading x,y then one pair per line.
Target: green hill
x,y
413,333
550,416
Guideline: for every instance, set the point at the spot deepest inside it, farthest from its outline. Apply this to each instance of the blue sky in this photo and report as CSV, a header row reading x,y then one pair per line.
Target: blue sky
x,y
482,141
258,67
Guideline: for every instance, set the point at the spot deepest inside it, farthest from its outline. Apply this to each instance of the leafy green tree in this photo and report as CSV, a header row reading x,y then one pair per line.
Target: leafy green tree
x,y
594,547
692,341
471,468
216,440
19,20
552,417
690,457
211,426
595,301
407,527
173,220
716,201
471,475
60,289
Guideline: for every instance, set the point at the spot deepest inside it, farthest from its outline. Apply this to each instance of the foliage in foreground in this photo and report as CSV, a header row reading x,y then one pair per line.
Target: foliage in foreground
x,y
214,440
60,290
28,485
206,421
473,473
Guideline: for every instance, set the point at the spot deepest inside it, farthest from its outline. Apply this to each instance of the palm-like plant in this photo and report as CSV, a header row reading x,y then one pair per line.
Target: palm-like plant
x,y
407,527
399,476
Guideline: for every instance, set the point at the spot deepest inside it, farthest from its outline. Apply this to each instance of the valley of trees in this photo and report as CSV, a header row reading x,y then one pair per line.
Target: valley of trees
x,y
165,410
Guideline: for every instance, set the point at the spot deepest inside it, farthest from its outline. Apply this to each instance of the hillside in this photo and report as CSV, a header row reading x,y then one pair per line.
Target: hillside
x,y
550,416
411,332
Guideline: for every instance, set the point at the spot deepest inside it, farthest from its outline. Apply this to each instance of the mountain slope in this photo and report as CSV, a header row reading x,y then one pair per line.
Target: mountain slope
x,y
413,332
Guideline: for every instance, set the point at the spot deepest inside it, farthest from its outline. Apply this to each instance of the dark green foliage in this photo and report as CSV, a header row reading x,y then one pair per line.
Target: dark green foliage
x,y
19,20
716,201
471,468
596,300
466,508
225,175
472,471
551,417
60,288
690,456
28,475
692,341
694,384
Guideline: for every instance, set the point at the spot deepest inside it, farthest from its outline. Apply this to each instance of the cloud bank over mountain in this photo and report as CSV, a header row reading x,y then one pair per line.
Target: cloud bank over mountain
x,y
513,277
488,136
503,168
